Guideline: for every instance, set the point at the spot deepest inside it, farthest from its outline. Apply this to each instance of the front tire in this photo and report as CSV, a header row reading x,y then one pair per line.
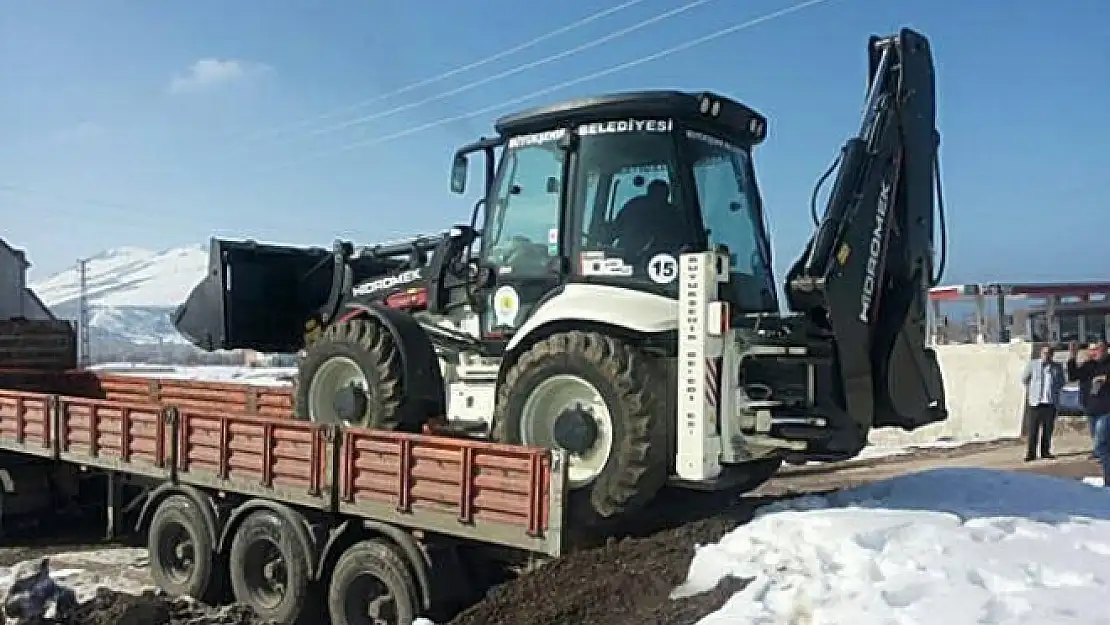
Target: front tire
x,y
595,396
357,362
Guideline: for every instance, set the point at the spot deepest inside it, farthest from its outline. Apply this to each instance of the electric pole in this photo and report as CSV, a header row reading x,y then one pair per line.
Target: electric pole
x,y
83,353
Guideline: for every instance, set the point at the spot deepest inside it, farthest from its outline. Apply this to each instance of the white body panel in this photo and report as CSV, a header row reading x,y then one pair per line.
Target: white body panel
x,y
706,364
635,310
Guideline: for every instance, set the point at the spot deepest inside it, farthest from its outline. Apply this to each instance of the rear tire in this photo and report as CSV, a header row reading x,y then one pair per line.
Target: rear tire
x,y
372,577
635,463
183,560
360,352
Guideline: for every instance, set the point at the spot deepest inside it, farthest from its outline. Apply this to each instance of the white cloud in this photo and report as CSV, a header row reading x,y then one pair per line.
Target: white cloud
x,y
210,73
84,131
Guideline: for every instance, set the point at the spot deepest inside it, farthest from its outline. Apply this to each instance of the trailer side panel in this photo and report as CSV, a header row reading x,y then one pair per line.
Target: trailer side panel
x,y
504,494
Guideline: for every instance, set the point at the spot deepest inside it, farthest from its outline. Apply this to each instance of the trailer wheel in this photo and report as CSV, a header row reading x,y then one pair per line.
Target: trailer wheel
x,y
182,552
269,571
594,396
372,585
352,375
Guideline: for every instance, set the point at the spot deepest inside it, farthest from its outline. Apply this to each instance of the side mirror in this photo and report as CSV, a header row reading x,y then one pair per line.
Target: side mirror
x,y
459,172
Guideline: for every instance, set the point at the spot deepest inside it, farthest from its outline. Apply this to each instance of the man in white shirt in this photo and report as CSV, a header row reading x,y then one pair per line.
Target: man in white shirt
x,y
1043,379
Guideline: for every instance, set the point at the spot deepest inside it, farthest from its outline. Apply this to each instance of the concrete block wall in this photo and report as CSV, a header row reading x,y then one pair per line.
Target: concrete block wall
x,y
985,397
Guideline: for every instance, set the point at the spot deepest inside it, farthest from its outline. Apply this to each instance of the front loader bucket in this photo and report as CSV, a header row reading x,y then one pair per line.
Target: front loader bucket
x,y
256,296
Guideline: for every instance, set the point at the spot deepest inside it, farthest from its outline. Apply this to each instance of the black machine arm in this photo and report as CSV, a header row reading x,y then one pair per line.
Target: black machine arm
x,y
866,273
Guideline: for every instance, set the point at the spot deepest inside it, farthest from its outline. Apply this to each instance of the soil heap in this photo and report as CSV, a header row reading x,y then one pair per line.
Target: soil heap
x,y
153,608
625,582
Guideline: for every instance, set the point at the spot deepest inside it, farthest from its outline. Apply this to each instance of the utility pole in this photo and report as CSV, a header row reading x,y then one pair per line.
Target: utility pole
x,y
83,352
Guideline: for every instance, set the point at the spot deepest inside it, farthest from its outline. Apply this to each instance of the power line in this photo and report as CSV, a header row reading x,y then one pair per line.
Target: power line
x,y
28,191
563,85
509,72
453,72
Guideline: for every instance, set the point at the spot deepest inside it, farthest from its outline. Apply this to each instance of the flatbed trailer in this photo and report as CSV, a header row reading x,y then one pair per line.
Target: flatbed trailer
x,y
281,511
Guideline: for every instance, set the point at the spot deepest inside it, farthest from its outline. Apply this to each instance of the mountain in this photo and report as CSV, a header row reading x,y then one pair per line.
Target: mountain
x,y
132,292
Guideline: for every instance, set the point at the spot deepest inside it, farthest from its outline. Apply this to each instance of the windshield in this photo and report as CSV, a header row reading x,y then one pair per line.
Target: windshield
x,y
730,209
524,226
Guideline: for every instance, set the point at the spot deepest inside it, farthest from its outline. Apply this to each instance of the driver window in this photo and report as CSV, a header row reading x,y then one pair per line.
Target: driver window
x,y
524,223
629,183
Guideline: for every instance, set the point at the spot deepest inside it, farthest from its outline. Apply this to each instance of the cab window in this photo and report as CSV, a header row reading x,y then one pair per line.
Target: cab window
x,y
523,236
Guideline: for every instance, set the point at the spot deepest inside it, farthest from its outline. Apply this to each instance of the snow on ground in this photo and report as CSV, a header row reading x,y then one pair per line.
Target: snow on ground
x,y
261,376
124,570
873,451
946,546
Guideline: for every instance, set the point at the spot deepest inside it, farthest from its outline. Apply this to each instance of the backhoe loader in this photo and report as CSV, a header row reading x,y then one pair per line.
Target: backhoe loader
x,y
612,296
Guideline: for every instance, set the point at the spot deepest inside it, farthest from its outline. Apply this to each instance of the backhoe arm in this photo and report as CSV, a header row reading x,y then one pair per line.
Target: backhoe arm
x,y
866,273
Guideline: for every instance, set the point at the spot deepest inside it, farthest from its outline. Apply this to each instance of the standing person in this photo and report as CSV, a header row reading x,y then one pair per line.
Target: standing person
x,y
1091,378
1043,380
1095,372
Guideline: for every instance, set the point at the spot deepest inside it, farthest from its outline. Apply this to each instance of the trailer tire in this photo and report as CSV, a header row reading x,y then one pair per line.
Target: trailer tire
x,y
178,537
353,348
262,535
636,466
358,580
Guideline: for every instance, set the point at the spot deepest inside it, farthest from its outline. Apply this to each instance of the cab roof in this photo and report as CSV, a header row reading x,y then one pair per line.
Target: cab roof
x,y
735,118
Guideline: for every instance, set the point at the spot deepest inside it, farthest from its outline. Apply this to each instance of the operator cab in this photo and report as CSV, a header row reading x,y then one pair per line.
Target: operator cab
x,y
612,189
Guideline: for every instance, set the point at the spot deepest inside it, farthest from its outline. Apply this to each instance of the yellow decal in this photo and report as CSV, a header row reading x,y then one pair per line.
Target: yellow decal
x,y
843,253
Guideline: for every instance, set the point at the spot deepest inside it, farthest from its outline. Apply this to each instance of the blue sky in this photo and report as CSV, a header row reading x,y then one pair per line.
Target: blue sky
x,y
158,124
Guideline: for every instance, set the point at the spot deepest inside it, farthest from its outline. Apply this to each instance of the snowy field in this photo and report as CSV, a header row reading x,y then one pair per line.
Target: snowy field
x,y
944,546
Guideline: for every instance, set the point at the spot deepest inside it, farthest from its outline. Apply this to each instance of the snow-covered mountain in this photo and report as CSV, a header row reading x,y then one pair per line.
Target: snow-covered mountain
x,y
132,292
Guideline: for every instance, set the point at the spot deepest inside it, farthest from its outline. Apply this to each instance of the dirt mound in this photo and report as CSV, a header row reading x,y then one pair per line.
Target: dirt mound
x,y
625,582
153,608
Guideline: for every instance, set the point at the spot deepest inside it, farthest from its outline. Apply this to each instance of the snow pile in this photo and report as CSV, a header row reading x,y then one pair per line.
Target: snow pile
x,y
948,546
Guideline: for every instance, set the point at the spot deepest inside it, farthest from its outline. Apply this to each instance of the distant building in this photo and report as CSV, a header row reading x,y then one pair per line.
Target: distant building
x,y
1048,312
1084,322
16,299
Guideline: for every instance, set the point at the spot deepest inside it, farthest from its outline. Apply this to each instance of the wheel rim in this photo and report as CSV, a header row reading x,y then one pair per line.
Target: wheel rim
x,y
551,398
177,553
265,574
335,373
368,601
